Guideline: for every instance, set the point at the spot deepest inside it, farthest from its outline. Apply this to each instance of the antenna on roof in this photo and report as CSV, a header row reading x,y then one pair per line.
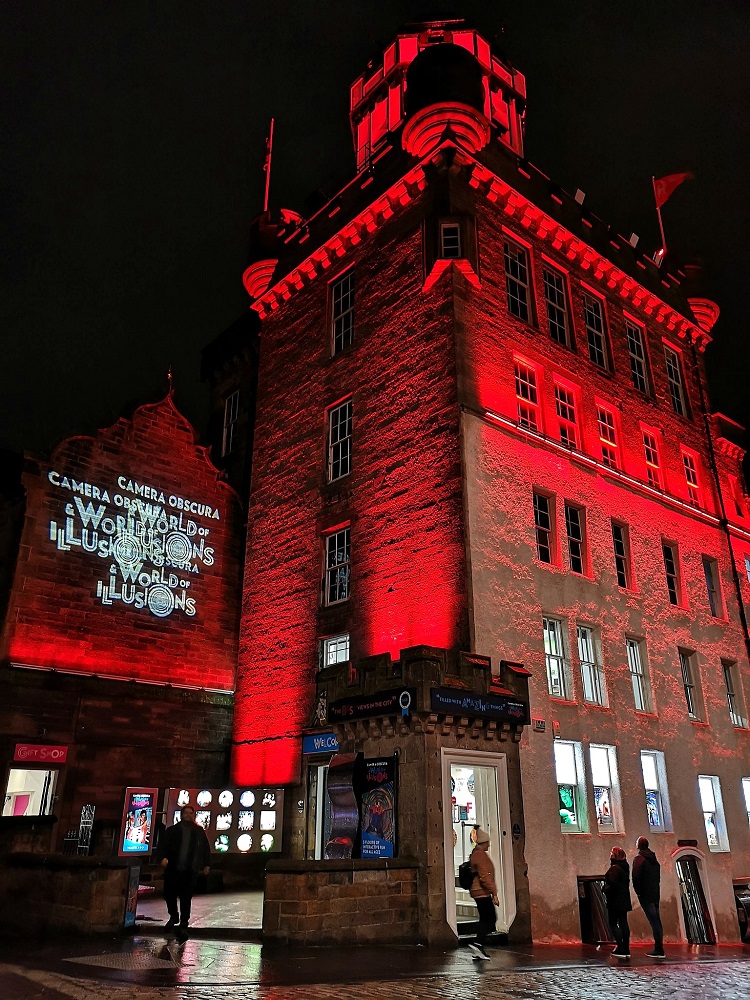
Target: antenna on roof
x,y
170,379
267,165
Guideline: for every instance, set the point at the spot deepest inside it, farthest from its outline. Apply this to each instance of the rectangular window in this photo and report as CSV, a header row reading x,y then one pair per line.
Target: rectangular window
x,y
571,787
334,649
543,528
676,382
342,312
338,565
554,652
450,240
747,568
603,760
735,701
621,544
517,283
592,674
746,796
556,300
637,352
593,314
651,454
574,529
608,437
672,572
231,413
340,441
709,789
638,674
527,397
655,786
690,465
29,792
738,496
567,422
690,683
711,574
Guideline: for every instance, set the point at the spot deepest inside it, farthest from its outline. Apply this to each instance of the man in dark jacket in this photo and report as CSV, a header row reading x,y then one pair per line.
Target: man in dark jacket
x,y
185,853
617,892
646,882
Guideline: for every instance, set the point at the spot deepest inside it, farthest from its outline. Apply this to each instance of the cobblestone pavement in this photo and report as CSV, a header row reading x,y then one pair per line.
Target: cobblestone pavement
x,y
716,980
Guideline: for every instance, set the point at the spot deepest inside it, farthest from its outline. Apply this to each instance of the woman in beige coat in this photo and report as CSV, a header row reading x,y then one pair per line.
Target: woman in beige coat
x,y
484,893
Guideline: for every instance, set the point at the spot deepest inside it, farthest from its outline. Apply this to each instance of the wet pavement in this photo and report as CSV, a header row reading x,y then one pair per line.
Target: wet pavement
x,y
228,915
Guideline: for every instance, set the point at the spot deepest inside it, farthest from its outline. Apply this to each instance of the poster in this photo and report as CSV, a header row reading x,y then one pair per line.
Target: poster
x,y
378,808
138,815
236,820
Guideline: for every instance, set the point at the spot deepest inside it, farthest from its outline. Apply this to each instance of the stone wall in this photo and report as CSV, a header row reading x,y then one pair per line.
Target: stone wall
x,y
335,902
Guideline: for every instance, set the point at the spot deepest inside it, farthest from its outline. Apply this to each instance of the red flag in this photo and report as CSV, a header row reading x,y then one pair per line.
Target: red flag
x,y
664,187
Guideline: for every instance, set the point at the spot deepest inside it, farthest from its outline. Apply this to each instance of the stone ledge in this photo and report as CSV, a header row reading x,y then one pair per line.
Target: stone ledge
x,y
282,866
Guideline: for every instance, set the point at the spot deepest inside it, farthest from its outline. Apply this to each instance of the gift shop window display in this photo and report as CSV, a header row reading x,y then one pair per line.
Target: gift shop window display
x,y
30,791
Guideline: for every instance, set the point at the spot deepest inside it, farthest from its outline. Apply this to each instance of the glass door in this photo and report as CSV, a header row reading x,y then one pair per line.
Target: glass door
x,y
699,927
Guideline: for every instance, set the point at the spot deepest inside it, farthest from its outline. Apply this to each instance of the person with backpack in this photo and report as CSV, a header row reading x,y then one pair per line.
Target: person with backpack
x,y
617,893
483,891
646,882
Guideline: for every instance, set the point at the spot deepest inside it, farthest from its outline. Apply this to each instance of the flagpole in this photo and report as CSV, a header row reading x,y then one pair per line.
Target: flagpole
x,y
658,215
267,166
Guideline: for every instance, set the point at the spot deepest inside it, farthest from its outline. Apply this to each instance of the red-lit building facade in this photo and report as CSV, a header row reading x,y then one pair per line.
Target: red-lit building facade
x,y
483,428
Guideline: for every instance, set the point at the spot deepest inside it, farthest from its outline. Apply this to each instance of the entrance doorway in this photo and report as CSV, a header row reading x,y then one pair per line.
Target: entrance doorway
x,y
29,792
696,913
318,812
475,793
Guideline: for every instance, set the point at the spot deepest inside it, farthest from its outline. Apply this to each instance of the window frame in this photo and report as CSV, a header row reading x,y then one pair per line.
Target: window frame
x,y
231,419
691,683
661,791
446,225
676,385
577,545
713,586
592,671
332,569
342,319
735,695
512,295
672,572
690,463
345,441
717,813
551,305
528,406
324,661
639,679
600,342
578,788
613,789
559,660
623,560
652,457
608,444
566,413
548,537
639,367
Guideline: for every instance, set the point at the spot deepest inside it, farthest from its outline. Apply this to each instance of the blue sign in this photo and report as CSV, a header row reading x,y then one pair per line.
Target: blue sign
x,y
320,743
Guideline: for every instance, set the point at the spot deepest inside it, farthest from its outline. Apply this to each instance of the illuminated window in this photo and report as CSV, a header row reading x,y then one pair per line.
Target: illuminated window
x,y
565,408
337,568
342,312
340,441
30,792
690,465
450,240
709,790
334,649
711,574
593,314
517,283
655,786
621,545
676,382
608,437
603,760
571,786
592,674
747,568
637,352
527,397
735,701
672,572
574,529
651,454
558,678
636,650
690,683
746,796
543,528
231,412
556,300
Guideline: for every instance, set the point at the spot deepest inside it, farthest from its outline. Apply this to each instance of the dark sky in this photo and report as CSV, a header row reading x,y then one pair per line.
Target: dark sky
x,y
133,139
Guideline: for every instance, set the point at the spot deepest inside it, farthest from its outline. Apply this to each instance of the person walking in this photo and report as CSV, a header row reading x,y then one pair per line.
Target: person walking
x,y
617,893
646,882
484,893
185,853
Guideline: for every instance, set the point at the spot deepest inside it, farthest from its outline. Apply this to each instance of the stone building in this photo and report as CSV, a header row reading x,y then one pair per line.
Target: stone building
x,y
485,463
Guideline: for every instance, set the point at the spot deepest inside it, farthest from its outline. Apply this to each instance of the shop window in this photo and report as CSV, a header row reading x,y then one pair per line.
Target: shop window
x,y
543,527
592,672
517,280
527,397
556,300
709,790
711,574
605,419
655,786
638,359
676,381
691,684
450,240
29,792
603,760
593,314
571,786
340,441
692,484
621,545
231,414
576,535
735,699
342,312
567,419
672,572
638,667
337,566
558,673
651,455
334,649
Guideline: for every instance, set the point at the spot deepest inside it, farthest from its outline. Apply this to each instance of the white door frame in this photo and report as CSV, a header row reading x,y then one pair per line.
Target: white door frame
x,y
500,852
700,857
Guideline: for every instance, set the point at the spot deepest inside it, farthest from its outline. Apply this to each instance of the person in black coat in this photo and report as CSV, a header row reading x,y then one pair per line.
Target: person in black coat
x,y
185,853
617,893
646,882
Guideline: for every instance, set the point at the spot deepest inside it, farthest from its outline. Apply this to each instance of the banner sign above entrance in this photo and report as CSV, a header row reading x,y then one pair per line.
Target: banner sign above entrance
x,y
40,754
453,701
397,702
320,743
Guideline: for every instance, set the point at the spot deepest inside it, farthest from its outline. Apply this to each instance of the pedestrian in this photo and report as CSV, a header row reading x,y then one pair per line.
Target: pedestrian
x,y
185,853
484,893
617,892
646,882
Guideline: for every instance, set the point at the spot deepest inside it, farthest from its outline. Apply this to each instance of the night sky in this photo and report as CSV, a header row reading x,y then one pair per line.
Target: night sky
x,y
133,141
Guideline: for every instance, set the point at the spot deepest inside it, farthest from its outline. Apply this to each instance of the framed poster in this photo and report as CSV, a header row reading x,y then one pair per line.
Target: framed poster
x,y
138,817
236,820
378,808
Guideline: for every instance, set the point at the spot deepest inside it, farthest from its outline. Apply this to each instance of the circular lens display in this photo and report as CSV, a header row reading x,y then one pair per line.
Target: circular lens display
x,y
244,842
226,798
204,798
247,799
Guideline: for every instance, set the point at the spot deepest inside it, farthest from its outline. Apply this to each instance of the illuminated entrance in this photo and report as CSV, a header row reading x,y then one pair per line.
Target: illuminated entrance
x,y
475,793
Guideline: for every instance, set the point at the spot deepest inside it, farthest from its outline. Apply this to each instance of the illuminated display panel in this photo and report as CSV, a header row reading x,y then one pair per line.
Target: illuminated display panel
x,y
237,820
130,568
137,828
